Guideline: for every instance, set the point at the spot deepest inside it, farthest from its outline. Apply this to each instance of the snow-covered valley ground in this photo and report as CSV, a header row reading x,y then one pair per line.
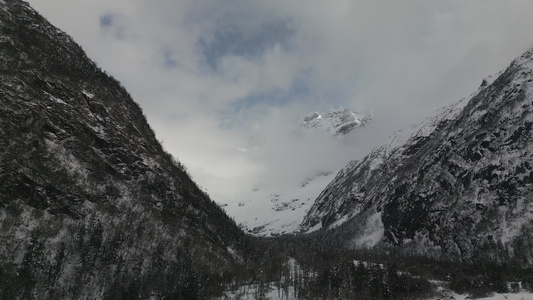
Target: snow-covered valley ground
x,y
270,213
273,293
287,287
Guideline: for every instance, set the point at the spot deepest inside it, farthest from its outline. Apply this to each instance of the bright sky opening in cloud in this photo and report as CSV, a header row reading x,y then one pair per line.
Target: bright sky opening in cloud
x,y
225,84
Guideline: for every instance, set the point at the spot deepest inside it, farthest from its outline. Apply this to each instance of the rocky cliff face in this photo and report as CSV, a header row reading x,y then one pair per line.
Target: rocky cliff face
x,y
460,189
91,206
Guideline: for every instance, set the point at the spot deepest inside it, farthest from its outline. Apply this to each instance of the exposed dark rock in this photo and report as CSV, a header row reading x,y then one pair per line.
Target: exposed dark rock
x,y
91,206
461,185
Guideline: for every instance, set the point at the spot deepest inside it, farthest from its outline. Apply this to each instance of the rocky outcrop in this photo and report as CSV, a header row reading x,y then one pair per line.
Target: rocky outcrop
x,y
338,122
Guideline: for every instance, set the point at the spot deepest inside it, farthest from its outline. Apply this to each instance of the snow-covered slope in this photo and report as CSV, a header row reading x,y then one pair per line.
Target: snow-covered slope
x,y
269,213
461,187
273,211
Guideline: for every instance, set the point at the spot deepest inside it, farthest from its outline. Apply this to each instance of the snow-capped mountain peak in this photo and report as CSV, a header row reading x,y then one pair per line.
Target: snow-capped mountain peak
x,y
337,122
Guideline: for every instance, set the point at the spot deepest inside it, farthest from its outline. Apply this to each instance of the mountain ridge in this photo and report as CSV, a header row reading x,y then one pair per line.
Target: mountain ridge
x,y
453,190
91,206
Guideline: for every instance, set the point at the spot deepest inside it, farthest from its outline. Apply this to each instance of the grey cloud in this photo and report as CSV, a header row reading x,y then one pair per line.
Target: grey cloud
x,y
217,76
115,24
231,40
107,20
170,60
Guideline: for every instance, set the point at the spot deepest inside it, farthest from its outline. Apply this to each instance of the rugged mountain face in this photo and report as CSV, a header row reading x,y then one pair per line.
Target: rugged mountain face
x,y
460,189
338,122
91,206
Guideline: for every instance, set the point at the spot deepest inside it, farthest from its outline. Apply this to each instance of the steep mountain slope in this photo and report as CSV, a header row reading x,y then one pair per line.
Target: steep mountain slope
x,y
91,206
274,211
459,189
268,212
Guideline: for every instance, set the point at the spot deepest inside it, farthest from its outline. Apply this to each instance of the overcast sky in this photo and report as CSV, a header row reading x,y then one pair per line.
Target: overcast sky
x,y
224,83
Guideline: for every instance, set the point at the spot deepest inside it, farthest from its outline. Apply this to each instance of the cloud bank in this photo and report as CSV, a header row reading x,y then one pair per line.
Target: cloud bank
x,y
225,83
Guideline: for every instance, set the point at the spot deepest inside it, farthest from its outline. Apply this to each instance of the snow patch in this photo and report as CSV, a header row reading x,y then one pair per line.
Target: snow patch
x,y
497,296
373,232
339,222
68,161
89,95
314,228
55,99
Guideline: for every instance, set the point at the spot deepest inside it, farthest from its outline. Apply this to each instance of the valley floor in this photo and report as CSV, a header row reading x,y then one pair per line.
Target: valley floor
x,y
252,292
274,291
496,296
